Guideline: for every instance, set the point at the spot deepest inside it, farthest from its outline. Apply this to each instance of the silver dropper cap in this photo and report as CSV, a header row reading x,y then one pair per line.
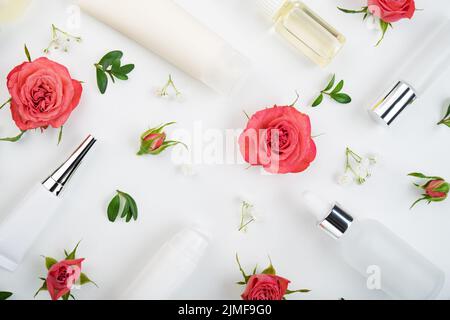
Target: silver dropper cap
x,y
389,107
56,182
334,220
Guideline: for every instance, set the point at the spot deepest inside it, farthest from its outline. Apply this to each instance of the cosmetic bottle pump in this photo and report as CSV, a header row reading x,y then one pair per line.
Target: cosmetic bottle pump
x,y
415,77
21,227
373,250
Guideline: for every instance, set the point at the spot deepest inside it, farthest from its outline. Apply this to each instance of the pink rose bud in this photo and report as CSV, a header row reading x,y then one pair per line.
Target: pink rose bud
x,y
62,276
437,189
156,139
153,141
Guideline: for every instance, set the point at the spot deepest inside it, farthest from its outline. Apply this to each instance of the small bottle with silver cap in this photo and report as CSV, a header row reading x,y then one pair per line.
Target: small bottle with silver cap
x,y
21,227
389,263
415,76
304,29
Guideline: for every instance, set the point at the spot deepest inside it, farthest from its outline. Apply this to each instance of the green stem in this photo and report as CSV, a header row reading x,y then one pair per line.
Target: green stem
x,y
4,104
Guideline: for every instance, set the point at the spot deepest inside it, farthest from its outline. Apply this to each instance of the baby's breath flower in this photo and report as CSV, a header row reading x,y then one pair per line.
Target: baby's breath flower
x,y
358,166
60,39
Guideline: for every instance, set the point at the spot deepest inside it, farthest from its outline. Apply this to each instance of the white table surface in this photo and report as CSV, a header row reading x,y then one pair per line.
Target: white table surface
x,y
169,200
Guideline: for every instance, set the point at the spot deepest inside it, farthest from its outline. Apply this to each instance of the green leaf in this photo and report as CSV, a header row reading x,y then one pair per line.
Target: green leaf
x,y
270,269
242,283
445,188
331,83
120,76
246,277
115,65
60,134
42,288
126,69
318,101
27,53
72,255
417,201
297,291
421,175
4,104
384,27
109,58
102,81
338,88
341,98
14,139
444,120
66,296
49,262
113,208
363,10
128,211
5,295
84,279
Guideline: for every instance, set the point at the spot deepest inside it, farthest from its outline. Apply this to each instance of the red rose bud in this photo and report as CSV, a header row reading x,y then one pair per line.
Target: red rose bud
x,y
156,139
437,190
153,141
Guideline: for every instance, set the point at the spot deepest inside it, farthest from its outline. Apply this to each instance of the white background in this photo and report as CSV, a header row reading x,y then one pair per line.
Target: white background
x,y
169,200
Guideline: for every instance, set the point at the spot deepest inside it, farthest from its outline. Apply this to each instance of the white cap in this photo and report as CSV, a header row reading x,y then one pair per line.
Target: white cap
x,y
270,7
317,206
191,241
228,72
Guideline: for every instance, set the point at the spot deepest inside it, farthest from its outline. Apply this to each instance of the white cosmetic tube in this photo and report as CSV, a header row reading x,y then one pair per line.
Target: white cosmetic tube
x,y
168,30
169,267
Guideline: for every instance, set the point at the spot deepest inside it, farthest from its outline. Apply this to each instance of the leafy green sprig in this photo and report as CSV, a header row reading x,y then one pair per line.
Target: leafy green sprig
x,y
336,94
122,205
446,119
111,65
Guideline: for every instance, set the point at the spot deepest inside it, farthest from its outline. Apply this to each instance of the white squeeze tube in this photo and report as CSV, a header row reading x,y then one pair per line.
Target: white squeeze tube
x,y
171,32
21,227
169,267
415,76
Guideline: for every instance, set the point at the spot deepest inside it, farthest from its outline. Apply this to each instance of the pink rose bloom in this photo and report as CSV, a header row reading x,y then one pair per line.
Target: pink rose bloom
x,y
265,287
42,94
392,10
432,186
279,139
62,276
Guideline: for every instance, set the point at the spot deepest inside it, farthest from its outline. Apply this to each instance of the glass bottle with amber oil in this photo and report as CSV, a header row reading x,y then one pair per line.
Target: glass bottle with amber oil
x,y
304,29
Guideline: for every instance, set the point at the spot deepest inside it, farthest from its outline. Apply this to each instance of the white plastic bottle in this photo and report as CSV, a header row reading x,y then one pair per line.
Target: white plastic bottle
x,y
22,226
171,32
303,29
169,268
421,69
373,250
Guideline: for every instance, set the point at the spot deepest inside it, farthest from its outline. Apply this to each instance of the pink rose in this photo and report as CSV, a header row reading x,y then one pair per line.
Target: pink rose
x,y
392,10
265,287
279,139
62,276
42,94
437,189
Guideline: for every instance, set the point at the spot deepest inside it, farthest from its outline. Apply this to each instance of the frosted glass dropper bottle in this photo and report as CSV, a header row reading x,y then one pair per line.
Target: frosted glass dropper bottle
x,y
373,250
415,76
303,29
